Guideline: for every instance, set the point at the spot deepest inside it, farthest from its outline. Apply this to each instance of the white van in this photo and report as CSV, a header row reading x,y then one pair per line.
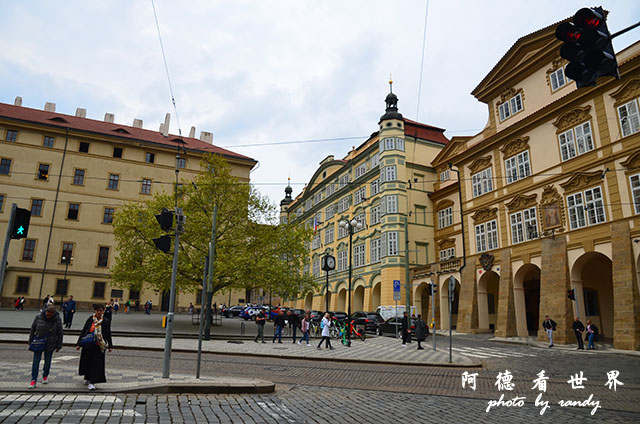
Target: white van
x,y
387,312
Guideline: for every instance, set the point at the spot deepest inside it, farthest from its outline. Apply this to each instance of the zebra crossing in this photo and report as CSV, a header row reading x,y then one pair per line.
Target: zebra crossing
x,y
492,352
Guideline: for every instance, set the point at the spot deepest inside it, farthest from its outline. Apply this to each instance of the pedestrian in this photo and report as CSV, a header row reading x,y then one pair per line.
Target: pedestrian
x,y
578,328
549,326
127,306
260,320
108,310
22,303
46,301
69,310
304,327
190,308
45,337
50,301
94,339
592,334
294,321
421,331
325,324
137,305
278,324
116,306
17,304
215,308
406,329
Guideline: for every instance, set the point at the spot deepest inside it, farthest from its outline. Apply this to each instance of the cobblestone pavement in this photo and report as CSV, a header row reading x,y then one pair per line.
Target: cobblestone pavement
x,y
289,404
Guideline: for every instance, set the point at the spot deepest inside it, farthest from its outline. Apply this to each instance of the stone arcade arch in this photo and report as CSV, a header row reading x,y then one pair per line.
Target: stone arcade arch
x,y
341,302
422,296
308,301
444,303
592,279
357,297
375,295
488,286
526,294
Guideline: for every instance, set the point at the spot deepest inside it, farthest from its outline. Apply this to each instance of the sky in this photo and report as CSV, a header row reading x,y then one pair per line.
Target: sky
x,y
267,71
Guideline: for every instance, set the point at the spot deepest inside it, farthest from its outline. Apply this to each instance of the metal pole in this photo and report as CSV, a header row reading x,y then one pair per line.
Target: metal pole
x,y
212,254
5,251
451,291
433,314
349,307
396,321
326,294
407,284
166,365
204,288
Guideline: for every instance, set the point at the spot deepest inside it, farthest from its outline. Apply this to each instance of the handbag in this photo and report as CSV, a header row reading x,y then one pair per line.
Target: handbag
x,y
88,340
38,344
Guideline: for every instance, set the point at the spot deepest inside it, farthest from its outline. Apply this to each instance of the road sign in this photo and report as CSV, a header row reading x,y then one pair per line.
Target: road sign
x,y
396,289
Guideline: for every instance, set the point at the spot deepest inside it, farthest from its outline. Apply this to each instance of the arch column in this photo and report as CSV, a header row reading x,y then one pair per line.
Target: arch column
x,y
468,305
576,284
506,318
521,311
626,298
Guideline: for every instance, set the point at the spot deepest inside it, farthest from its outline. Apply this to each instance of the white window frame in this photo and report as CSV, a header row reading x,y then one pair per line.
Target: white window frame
x,y
388,173
576,141
486,236
376,250
359,258
634,181
557,78
344,180
361,170
343,260
445,217
316,268
392,243
342,232
446,254
391,204
330,211
629,117
521,221
343,204
586,208
482,182
375,215
329,234
316,242
375,187
517,167
360,195
375,159
331,188
362,220
510,107
445,175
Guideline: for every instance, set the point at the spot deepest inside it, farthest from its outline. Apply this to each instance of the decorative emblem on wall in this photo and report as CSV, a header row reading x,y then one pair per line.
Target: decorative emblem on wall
x,y
551,211
572,118
486,260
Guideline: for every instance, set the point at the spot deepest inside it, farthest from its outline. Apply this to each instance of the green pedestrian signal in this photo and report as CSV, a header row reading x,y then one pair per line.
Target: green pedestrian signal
x,y
20,227
20,230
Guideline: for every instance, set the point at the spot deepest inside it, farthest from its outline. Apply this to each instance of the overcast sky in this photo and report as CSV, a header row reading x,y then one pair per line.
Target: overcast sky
x,y
271,71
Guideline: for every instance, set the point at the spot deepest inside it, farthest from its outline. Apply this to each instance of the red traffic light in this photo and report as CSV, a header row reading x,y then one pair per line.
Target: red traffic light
x,y
568,32
587,18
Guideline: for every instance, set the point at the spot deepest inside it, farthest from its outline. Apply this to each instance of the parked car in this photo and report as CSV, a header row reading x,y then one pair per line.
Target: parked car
x,y
388,328
369,320
299,312
316,315
233,311
251,312
340,316
273,312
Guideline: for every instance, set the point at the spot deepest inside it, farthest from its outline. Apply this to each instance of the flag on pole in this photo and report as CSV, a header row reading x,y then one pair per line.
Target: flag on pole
x,y
315,225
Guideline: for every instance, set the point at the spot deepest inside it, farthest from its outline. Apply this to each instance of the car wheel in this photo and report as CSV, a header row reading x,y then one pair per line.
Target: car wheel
x,y
379,331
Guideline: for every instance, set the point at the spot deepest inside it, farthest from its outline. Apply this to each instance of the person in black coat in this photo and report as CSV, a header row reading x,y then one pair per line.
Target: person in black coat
x,y
92,357
406,329
46,324
578,328
422,331
294,321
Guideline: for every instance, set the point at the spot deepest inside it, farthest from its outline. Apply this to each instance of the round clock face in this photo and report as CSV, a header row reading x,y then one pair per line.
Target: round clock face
x,y
331,263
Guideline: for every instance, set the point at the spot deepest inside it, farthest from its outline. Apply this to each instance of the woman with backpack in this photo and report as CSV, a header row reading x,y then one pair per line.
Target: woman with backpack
x,y
94,339
325,324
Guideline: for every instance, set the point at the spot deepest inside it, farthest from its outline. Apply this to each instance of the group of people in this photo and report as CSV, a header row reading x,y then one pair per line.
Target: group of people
x,y
589,333
18,305
46,336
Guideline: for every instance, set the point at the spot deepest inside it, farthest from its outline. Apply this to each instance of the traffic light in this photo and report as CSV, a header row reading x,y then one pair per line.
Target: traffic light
x,y
571,294
587,46
163,243
165,219
20,227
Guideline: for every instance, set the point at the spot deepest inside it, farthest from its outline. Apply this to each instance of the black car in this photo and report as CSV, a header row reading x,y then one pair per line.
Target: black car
x,y
369,320
316,315
340,316
299,312
388,328
233,311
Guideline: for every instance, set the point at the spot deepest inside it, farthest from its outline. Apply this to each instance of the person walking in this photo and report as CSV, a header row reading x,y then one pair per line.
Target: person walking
x,y
108,310
137,305
578,328
293,323
304,327
69,310
260,320
116,306
22,303
127,306
48,326
325,324
406,329
92,357
50,301
190,310
592,334
421,331
549,326
17,304
278,323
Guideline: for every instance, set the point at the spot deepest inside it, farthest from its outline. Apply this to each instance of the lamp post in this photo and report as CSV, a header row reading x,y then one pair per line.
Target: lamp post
x,y
65,260
328,264
351,226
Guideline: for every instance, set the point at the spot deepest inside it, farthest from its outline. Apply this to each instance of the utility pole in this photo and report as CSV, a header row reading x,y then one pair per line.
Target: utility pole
x,y
202,315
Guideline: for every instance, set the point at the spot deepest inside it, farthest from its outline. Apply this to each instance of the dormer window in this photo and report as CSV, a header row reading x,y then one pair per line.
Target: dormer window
x,y
510,107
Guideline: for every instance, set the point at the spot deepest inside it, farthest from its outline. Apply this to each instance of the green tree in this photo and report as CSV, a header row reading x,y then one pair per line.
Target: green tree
x,y
252,248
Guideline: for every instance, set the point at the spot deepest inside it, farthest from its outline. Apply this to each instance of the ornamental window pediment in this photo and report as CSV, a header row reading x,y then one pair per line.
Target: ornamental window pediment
x,y
572,118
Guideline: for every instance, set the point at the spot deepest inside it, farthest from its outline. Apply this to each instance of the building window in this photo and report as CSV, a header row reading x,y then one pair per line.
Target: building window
x,y
328,235
445,217
135,295
375,187
317,198
103,256
635,192
146,186
629,118
576,141
445,175
5,166
375,160
98,290
517,167
391,203
447,254
392,243
342,232
78,177
388,173
117,293
22,285
43,171
375,215
376,250
361,170
48,141
2,197
315,243
107,217
482,182
358,256
12,135
360,219
84,147
392,143
62,287
557,79
113,181
29,250
331,188
72,213
524,226
316,268
343,263
149,157
487,236
586,208
360,195
344,180
67,252
330,211
510,107
36,207
117,152
305,269
343,204
182,163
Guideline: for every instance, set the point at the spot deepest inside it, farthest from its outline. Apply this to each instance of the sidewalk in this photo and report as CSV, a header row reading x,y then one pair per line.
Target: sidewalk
x,y
532,341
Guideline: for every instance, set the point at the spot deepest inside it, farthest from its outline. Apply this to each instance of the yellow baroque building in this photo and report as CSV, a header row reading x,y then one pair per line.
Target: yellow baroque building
x,y
550,193
73,173
383,184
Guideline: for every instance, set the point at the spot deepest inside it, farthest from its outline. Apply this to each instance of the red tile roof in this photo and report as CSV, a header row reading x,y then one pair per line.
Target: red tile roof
x,y
25,114
424,131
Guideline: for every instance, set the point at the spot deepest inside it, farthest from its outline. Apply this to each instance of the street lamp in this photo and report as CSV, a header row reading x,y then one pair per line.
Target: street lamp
x,y
351,226
65,260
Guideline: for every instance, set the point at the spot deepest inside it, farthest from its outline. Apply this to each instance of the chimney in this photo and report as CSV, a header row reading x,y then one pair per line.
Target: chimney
x,y
137,123
109,117
81,112
206,136
50,107
192,133
164,128
18,101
